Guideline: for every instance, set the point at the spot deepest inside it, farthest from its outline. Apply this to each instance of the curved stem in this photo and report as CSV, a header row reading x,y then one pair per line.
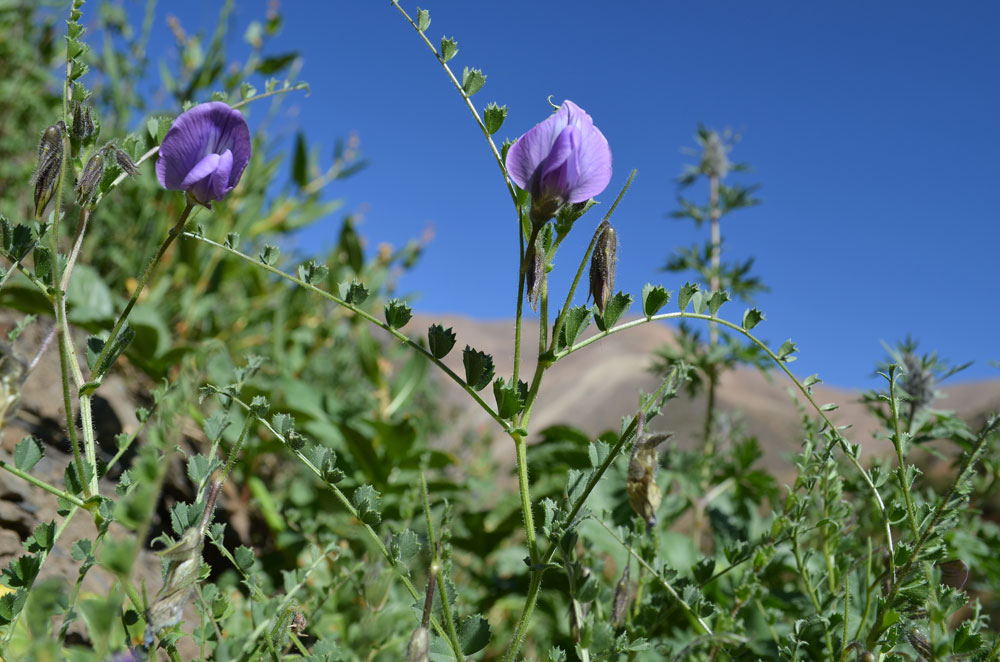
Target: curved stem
x,y
346,503
468,102
366,316
834,433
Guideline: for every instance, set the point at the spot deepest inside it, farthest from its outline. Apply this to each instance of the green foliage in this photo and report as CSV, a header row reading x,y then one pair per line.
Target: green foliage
x,y
304,446
478,368
493,117
472,80
440,340
449,48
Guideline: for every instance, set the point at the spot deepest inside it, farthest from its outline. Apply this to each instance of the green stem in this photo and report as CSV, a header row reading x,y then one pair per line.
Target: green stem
x,y
807,582
143,280
971,460
520,630
417,347
835,434
468,102
38,482
346,503
449,620
236,449
897,444
521,449
58,302
699,624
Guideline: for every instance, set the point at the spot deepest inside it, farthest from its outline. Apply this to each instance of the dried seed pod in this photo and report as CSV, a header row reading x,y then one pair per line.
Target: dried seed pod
x,y
640,481
86,187
49,168
623,596
420,644
183,568
602,266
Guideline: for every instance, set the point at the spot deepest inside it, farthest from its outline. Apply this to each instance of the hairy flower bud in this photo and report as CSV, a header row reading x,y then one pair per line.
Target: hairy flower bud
x,y
83,122
920,644
535,274
93,172
125,162
184,564
602,266
714,157
49,168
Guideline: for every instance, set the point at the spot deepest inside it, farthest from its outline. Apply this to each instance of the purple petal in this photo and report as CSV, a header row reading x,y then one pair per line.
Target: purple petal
x,y
209,180
564,157
203,169
531,149
220,178
558,174
594,163
207,129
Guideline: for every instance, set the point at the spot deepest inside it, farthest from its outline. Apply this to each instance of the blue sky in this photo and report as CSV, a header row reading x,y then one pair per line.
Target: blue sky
x,y
872,128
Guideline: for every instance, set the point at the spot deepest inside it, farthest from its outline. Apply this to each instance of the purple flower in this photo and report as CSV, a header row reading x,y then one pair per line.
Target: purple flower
x,y
205,152
565,159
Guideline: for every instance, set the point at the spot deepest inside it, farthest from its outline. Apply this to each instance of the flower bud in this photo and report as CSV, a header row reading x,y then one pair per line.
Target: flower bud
x,y
49,168
83,122
125,162
93,172
920,644
535,274
602,266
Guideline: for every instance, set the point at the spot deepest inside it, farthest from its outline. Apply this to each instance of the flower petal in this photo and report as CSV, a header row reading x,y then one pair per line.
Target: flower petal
x,y
594,163
200,171
219,179
531,149
558,174
208,128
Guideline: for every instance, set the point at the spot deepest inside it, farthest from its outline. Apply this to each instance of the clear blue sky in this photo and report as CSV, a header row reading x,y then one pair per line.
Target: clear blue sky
x,y
872,127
